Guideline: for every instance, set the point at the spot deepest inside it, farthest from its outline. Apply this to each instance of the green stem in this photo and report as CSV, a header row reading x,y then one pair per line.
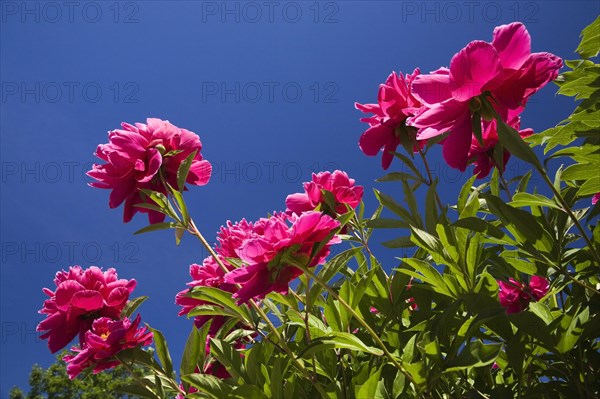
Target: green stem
x,y
580,283
355,315
430,177
282,344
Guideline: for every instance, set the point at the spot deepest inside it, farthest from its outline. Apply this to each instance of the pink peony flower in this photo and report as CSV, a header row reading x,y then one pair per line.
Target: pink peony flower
x,y
207,275
515,296
266,254
505,69
595,198
395,104
105,340
483,156
135,157
210,274
538,287
337,183
80,297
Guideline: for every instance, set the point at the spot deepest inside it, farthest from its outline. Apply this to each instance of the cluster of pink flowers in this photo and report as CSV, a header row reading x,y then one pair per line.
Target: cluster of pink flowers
x,y
515,296
485,80
269,248
146,156
89,303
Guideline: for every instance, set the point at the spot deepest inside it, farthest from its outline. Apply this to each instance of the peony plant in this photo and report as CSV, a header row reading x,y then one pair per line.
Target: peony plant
x,y
495,295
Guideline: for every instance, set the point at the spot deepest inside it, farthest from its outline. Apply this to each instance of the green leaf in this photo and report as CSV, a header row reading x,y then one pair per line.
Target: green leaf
x,y
464,194
132,305
581,172
395,207
208,384
248,392
428,274
526,224
513,142
162,350
184,170
417,372
481,226
474,354
193,353
527,199
410,164
514,260
572,328
590,40
369,387
395,176
426,240
227,356
157,226
530,324
219,297
590,187
181,204
400,242
409,198
179,232
340,340
431,210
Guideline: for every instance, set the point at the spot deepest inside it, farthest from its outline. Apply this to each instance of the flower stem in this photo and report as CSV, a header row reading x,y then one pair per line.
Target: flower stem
x,y
430,177
356,316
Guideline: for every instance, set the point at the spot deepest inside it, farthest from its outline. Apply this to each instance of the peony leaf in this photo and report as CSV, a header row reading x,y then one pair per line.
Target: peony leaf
x,y
157,226
184,170
513,142
211,386
162,351
193,353
590,40
132,305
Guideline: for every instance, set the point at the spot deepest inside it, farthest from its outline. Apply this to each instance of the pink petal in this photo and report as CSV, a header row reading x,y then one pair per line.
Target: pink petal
x,y
472,69
374,139
456,146
154,162
298,203
513,44
88,300
200,173
65,291
433,88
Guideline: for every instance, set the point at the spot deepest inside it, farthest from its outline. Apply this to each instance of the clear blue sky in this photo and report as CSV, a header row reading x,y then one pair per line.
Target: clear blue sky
x,y
268,86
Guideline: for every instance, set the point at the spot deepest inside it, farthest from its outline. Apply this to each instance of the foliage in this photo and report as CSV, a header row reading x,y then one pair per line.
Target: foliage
x,y
54,383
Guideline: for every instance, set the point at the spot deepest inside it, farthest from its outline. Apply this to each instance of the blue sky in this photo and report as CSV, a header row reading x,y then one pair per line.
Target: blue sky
x,y
268,86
